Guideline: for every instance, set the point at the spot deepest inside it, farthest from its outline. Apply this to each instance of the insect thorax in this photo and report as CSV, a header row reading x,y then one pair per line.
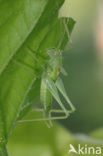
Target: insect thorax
x,y
54,62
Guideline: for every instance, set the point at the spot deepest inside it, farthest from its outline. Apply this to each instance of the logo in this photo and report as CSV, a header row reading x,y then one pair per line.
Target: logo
x,y
85,150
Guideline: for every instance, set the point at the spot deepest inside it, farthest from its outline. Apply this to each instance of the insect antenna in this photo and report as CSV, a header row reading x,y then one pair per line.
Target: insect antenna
x,y
25,67
33,55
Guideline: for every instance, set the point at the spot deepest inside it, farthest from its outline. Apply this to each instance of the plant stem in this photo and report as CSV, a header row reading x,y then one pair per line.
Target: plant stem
x,y
3,150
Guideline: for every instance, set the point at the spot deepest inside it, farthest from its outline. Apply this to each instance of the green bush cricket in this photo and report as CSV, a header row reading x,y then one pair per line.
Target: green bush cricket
x,y
51,83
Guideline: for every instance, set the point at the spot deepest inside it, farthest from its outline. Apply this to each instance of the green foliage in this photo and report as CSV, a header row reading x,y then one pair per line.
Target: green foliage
x,y
31,23
50,142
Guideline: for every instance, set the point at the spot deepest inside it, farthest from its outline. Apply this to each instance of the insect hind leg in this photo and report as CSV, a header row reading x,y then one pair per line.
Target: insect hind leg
x,y
47,115
44,119
49,118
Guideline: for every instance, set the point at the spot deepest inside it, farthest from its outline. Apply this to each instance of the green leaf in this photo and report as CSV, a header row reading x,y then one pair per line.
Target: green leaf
x,y
17,20
16,24
31,23
50,142
54,141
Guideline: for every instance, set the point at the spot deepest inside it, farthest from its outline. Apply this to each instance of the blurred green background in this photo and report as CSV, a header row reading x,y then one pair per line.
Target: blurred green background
x,y
84,84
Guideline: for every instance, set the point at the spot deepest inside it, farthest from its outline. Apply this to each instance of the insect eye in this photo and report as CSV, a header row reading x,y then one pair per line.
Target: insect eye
x,y
56,53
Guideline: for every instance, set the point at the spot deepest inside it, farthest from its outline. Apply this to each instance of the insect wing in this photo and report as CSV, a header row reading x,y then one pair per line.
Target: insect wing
x,y
61,88
53,90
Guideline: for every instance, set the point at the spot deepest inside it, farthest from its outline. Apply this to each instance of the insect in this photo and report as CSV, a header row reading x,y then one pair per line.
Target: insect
x,y
51,83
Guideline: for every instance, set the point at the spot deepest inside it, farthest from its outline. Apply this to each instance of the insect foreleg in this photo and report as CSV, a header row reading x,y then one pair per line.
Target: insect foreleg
x,y
61,88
